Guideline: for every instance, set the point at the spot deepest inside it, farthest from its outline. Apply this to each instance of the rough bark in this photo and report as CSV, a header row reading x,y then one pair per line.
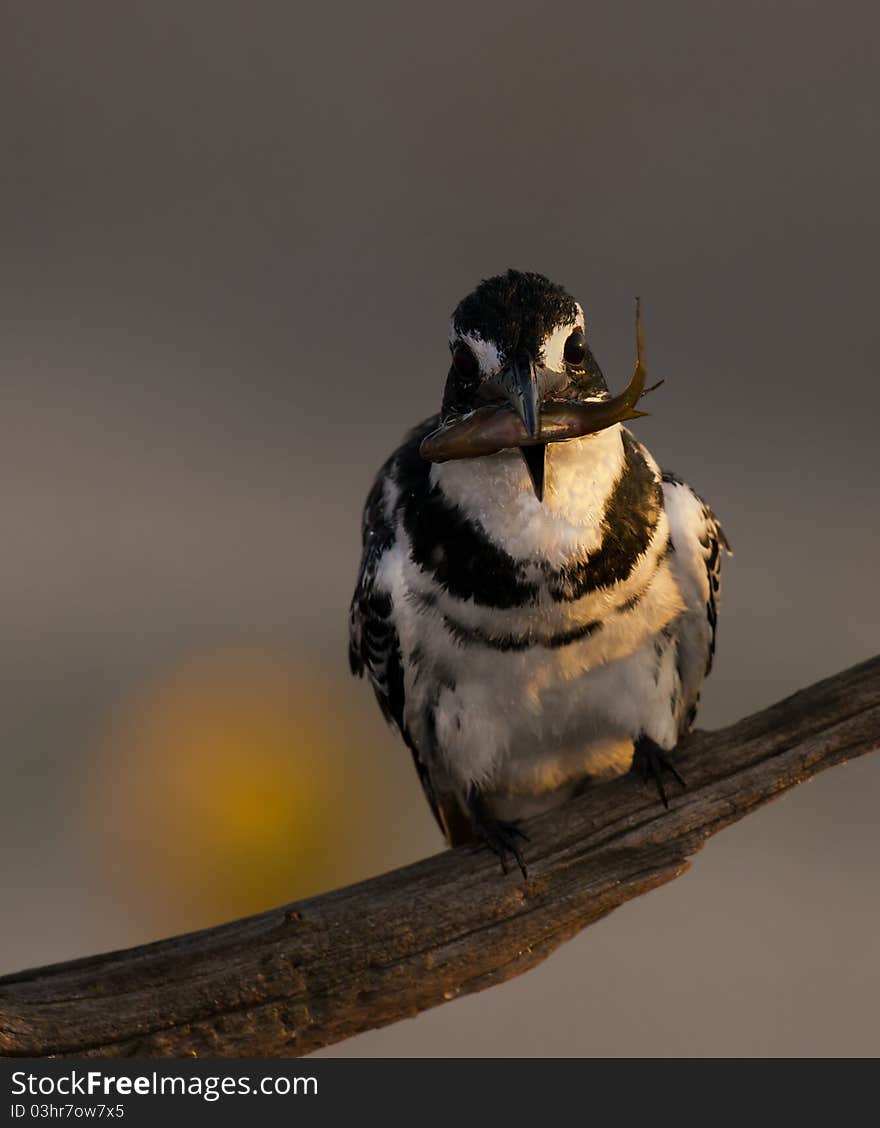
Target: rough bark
x,y
310,974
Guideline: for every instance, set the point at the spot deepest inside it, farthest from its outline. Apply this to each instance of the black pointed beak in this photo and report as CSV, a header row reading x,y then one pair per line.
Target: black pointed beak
x,y
521,383
535,459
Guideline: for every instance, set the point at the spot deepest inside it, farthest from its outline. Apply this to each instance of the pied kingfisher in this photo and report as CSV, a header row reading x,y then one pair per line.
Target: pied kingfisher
x,y
537,602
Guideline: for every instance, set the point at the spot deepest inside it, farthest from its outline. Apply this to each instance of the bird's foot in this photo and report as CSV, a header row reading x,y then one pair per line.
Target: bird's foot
x,y
651,761
501,837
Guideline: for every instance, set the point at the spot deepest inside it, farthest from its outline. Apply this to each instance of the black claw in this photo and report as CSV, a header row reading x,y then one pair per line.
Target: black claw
x,y
500,837
662,791
651,761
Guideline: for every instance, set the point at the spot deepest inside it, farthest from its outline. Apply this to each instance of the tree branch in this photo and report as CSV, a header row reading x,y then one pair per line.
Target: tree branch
x,y
301,977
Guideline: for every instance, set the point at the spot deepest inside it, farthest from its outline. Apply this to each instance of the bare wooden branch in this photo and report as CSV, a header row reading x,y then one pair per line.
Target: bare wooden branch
x,y
297,978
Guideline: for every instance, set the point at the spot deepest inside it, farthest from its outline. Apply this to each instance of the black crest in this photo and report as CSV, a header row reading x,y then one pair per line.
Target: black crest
x,y
516,310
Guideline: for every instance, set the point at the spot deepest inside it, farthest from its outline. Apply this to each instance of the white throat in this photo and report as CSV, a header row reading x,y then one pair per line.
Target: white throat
x,y
497,492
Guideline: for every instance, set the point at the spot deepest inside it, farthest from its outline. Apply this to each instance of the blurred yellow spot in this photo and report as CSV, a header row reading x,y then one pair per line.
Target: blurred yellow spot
x,y
232,784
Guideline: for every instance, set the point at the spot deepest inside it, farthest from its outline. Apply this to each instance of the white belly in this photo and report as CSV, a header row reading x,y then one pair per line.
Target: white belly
x,y
527,727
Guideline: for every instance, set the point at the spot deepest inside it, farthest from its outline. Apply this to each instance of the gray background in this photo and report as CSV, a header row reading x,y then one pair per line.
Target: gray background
x,y
231,238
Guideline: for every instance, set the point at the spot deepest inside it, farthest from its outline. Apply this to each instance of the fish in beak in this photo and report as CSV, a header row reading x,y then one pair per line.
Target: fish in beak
x,y
531,418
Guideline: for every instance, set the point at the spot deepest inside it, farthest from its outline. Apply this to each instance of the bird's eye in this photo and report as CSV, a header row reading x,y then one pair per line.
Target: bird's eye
x,y
465,362
575,347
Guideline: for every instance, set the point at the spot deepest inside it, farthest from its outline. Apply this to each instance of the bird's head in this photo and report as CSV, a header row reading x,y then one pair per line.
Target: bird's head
x,y
523,375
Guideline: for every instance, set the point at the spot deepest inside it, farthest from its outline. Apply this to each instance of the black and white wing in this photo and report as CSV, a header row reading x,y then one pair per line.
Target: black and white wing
x,y
374,644
698,541
374,647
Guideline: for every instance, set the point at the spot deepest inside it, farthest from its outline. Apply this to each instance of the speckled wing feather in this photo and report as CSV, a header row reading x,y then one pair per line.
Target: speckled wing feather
x,y
374,646
712,542
698,541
